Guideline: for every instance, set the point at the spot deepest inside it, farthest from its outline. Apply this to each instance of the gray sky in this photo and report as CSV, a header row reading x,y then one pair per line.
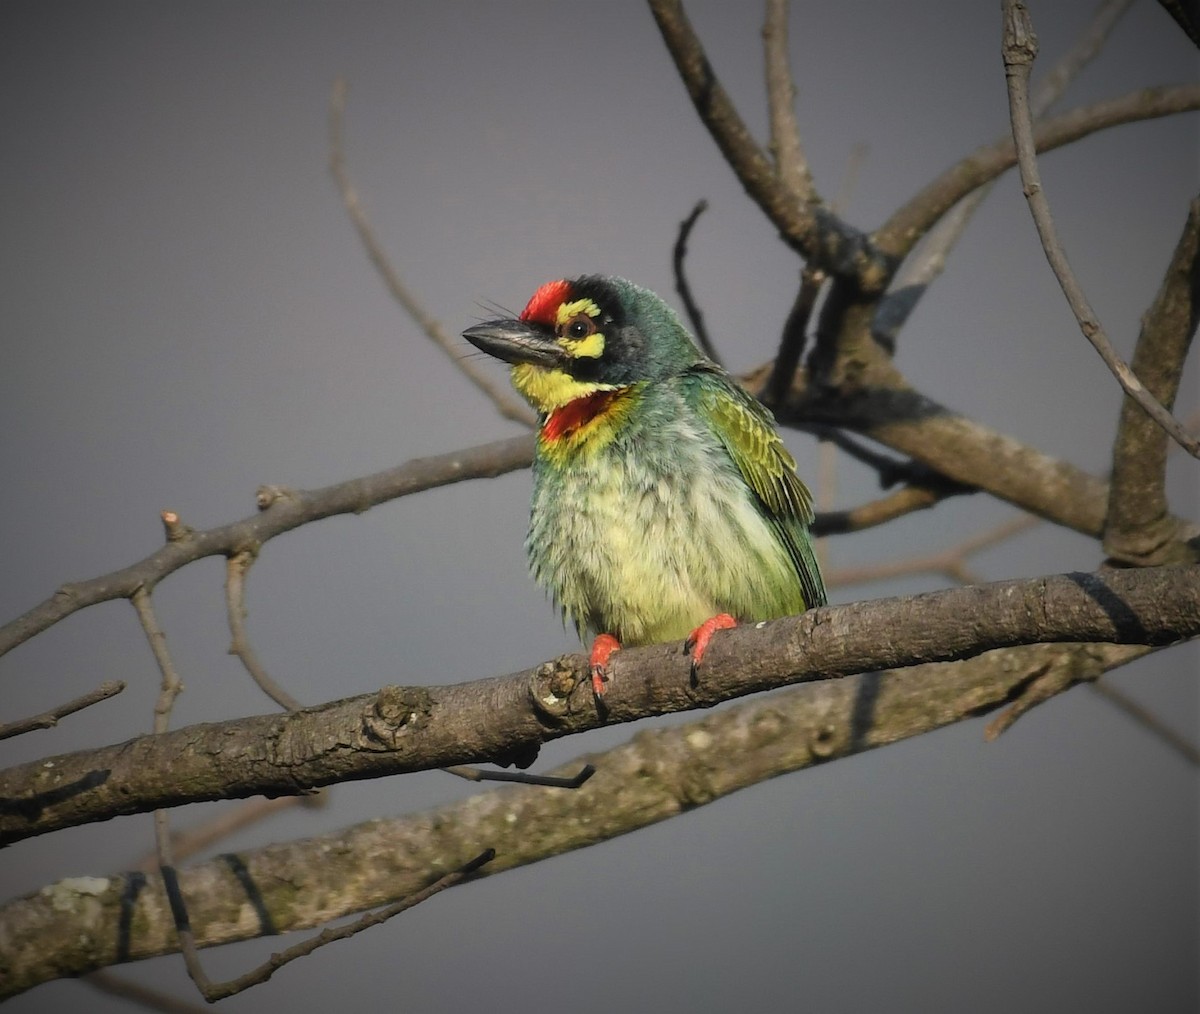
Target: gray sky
x,y
186,313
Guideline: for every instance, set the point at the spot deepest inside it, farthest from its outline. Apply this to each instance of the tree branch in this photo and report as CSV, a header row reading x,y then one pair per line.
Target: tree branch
x,y
49,719
960,449
816,233
507,404
280,510
66,928
921,270
1138,528
790,164
1020,50
900,233
678,256
403,729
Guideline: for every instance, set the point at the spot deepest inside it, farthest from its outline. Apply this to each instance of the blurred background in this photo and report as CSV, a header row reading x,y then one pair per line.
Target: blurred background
x,y
186,313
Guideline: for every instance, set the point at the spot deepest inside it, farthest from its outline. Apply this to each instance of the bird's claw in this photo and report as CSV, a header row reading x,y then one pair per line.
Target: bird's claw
x,y
697,642
602,650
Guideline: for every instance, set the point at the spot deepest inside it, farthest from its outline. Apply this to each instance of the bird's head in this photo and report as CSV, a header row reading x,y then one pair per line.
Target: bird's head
x,y
589,334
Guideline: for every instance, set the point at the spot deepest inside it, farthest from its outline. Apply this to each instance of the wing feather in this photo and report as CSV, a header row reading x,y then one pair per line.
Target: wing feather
x,y
747,431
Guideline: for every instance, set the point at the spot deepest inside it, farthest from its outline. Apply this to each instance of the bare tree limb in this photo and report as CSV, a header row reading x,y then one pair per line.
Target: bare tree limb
x,y
236,567
957,448
402,729
1138,527
143,996
950,562
678,257
281,510
655,776
900,233
219,991
906,500
816,233
507,404
791,166
1187,16
795,334
1020,50
189,842
1148,720
923,268
49,719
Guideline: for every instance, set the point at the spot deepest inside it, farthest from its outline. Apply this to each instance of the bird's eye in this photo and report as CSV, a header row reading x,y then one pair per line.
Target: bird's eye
x,y
578,327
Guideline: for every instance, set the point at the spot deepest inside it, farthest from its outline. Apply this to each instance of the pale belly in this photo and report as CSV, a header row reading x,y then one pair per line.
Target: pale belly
x,y
648,557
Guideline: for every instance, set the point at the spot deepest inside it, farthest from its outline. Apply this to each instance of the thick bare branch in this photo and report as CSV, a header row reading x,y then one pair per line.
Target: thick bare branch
x,y
1138,528
402,729
281,510
66,928
960,449
1020,50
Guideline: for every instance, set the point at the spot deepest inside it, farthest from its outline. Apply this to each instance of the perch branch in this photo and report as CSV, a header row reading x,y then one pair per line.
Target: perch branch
x,y
658,774
402,729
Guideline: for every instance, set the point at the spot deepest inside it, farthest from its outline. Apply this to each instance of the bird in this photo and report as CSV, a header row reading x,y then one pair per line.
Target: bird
x,y
665,505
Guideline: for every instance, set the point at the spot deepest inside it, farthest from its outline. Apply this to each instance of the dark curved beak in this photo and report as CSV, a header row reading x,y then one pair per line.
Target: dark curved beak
x,y
514,341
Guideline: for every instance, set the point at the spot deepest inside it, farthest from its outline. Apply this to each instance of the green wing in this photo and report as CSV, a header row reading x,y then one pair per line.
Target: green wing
x,y
747,430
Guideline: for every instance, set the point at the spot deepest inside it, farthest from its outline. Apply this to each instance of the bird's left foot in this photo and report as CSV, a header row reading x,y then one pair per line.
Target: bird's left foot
x,y
602,650
697,643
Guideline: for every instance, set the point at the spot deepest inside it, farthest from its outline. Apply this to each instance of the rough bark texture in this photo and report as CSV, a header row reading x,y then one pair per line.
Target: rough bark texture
x,y
505,719
74,926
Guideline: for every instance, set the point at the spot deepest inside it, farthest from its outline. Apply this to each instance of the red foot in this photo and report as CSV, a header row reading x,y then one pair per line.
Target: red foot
x,y
602,650
697,642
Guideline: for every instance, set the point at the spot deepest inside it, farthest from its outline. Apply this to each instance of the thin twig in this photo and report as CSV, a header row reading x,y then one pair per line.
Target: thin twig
x,y
795,334
906,500
472,774
329,935
144,996
1020,50
1151,722
785,146
506,403
188,843
172,687
683,287
950,562
280,510
235,607
49,719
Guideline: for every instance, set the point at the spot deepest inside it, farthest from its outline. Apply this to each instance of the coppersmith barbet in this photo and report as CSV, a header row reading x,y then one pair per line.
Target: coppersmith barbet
x,y
665,506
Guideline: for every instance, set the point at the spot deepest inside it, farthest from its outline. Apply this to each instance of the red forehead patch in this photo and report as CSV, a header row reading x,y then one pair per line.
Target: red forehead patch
x,y
543,307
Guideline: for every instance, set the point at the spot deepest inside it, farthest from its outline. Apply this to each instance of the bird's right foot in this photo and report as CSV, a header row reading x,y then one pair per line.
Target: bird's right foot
x,y
602,650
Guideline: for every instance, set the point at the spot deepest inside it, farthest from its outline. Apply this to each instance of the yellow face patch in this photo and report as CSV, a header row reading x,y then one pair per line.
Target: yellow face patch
x,y
547,390
575,332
